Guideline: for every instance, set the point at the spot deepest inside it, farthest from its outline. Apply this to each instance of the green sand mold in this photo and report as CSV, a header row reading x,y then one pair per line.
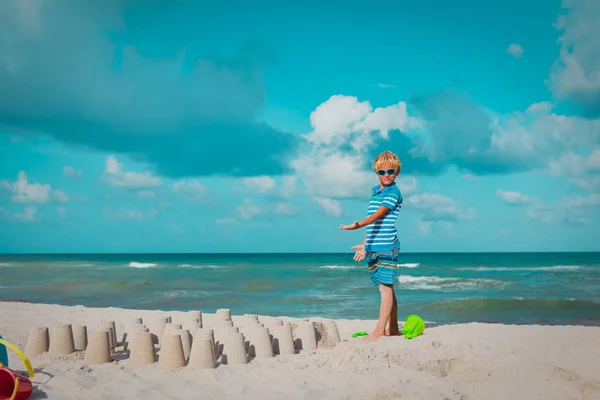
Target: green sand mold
x,y
413,327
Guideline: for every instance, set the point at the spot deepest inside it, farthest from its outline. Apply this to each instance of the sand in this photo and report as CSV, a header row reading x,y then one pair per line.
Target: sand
x,y
456,362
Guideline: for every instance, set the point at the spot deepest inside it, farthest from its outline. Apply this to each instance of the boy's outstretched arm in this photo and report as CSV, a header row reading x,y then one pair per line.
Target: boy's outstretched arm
x,y
360,250
381,212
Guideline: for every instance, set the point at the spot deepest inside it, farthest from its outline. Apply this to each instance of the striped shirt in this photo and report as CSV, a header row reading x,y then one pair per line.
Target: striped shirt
x,y
381,234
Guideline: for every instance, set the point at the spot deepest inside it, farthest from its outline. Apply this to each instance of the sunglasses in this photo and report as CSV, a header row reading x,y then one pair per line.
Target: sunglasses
x,y
383,172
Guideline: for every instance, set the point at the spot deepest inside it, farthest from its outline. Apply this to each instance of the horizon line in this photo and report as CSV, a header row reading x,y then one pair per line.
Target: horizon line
x,y
306,252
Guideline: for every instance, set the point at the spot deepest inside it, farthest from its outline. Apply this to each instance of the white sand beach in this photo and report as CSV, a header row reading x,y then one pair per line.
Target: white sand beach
x,y
456,362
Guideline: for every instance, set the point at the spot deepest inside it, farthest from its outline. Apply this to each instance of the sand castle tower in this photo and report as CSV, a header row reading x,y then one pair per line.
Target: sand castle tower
x,y
223,314
234,351
332,331
260,344
159,327
283,340
202,355
113,326
306,337
61,341
193,317
38,341
142,349
108,325
80,337
171,355
186,341
98,349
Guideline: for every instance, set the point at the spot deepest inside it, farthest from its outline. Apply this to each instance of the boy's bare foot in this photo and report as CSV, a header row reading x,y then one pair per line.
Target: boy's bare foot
x,y
373,336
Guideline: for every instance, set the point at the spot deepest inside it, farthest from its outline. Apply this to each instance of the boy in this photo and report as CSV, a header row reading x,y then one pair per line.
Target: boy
x,y
381,245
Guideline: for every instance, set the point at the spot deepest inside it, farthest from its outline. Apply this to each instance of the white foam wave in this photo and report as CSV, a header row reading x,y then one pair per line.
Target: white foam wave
x,y
5,264
549,268
408,265
341,266
197,266
440,283
135,264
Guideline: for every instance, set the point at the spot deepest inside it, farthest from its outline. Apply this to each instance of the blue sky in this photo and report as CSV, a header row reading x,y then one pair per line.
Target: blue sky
x,y
195,127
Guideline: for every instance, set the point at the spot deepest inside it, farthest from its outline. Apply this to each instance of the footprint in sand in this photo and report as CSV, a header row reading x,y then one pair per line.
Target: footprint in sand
x,y
559,373
444,367
589,390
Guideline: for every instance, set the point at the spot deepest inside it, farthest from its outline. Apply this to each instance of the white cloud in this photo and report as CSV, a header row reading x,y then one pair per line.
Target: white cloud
x,y
60,196
131,214
261,184
283,208
469,177
515,50
322,169
407,185
71,172
541,138
437,207
146,194
64,213
337,116
575,74
569,209
330,206
116,176
341,116
29,214
385,86
278,187
29,193
512,198
582,170
248,209
24,192
190,190
424,227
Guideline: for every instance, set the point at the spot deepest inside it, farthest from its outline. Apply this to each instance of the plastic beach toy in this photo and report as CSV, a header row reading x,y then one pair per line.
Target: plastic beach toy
x,y
3,354
413,327
14,386
361,333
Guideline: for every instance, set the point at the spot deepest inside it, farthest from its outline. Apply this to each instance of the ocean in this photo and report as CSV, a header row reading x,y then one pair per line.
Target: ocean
x,y
514,288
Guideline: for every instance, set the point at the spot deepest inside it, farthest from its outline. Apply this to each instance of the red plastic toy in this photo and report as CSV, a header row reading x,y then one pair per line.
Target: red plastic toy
x,y
14,386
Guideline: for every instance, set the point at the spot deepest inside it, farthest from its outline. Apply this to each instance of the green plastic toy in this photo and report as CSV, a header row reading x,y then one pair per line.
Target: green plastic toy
x,y
361,333
413,327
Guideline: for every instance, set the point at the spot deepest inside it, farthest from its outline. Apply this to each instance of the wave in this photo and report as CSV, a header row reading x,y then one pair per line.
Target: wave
x,y
342,266
408,265
514,303
441,283
549,268
198,266
135,264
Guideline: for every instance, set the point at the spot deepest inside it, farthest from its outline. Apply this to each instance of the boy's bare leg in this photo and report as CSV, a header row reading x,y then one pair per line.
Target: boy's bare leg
x,y
387,301
392,327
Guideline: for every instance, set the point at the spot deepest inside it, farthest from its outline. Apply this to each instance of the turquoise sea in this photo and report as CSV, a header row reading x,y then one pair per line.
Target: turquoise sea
x,y
543,288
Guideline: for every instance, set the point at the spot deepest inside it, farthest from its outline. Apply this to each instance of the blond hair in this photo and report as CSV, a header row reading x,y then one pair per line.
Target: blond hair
x,y
387,157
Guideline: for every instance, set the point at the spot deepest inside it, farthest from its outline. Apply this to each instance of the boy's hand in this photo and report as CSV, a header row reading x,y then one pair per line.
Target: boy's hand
x,y
360,252
349,227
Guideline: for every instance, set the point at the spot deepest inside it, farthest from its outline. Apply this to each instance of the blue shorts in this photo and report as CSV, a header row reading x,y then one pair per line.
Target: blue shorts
x,y
383,266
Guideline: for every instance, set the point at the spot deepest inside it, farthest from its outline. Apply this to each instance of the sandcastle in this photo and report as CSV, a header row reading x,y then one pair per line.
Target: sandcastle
x,y
98,350
186,343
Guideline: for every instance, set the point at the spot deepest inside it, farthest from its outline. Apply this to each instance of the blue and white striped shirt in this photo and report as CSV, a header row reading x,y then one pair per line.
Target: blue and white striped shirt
x,y
382,234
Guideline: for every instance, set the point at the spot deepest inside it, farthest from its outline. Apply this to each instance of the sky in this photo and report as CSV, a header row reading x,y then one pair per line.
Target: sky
x,y
193,126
